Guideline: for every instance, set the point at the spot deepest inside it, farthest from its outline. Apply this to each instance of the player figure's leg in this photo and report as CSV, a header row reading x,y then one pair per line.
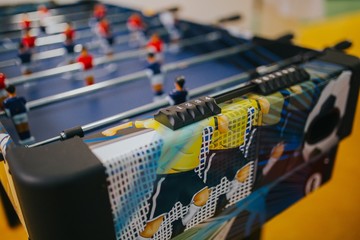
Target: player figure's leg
x,y
3,96
26,68
110,43
137,38
105,45
140,38
22,128
158,89
89,77
157,82
175,36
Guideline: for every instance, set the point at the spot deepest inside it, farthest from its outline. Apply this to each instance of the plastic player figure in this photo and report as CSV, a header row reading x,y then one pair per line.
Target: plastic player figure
x,y
100,11
24,55
69,44
25,23
3,93
28,41
15,108
156,46
44,14
169,20
106,36
136,26
155,75
86,60
179,94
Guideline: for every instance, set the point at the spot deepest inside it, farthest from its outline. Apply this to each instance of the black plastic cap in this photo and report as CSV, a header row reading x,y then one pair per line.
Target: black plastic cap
x,y
179,116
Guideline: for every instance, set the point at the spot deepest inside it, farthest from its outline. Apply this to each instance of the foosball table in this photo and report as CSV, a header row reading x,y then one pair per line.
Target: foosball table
x,y
259,132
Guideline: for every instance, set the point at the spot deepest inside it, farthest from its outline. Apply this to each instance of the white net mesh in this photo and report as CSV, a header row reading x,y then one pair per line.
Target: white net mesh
x,y
131,180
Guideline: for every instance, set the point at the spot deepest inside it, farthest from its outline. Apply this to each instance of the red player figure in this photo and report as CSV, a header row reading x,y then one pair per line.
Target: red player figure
x,y
25,23
69,45
106,37
15,108
179,94
25,55
86,60
43,13
28,41
136,26
99,11
156,46
3,93
156,76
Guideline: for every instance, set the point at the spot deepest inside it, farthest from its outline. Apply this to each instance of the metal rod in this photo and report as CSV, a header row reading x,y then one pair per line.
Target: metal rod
x,y
131,77
79,25
47,141
33,15
57,36
103,60
58,52
148,107
55,19
242,78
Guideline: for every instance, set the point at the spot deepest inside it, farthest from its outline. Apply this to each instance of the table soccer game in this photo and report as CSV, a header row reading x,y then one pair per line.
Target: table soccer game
x,y
127,123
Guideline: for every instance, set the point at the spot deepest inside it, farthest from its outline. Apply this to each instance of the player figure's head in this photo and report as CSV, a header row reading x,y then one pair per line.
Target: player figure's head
x,y
135,16
151,57
11,90
84,51
27,33
179,83
99,11
42,8
154,37
25,17
21,48
100,6
68,25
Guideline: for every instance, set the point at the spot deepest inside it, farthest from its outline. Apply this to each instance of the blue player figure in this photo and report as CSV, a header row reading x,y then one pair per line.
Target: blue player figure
x,y
15,108
179,94
24,55
156,76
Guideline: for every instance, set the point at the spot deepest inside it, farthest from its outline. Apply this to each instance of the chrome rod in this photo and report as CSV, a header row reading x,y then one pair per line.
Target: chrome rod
x,y
240,78
131,77
103,60
57,36
79,26
58,52
53,18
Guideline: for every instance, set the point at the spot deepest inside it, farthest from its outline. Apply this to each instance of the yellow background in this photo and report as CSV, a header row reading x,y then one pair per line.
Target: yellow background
x,y
332,212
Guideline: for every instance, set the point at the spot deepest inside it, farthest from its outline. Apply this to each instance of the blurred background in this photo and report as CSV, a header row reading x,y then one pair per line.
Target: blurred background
x,y
333,211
